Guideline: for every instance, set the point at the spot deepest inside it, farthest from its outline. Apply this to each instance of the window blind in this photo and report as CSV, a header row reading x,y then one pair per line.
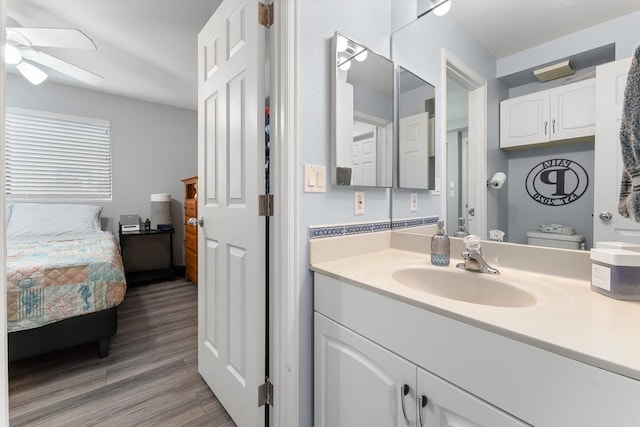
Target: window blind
x,y
56,156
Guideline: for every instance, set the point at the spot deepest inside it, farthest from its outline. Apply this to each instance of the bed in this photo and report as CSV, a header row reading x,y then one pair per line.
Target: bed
x,y
64,279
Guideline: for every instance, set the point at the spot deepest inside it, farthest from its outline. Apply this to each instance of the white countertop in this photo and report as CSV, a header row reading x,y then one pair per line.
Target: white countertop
x,y
568,318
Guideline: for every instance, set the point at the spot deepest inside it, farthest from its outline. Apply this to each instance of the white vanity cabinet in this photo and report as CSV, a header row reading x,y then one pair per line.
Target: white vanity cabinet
x,y
560,114
370,343
359,383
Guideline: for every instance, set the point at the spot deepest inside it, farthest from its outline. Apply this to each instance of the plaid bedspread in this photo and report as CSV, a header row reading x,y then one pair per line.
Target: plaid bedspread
x,y
53,279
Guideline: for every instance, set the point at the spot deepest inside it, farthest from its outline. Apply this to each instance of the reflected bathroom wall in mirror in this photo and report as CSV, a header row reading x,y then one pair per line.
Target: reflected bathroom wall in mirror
x,y
476,36
362,116
416,131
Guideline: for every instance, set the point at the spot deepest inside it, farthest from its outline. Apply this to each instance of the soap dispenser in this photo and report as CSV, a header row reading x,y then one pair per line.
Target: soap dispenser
x,y
462,229
440,246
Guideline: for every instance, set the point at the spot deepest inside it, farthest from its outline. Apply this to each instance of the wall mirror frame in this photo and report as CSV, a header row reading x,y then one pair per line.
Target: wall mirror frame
x,y
416,122
362,100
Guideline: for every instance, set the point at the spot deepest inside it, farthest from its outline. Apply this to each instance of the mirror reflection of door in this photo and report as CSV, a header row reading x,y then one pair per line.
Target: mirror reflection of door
x,y
365,136
362,104
416,135
457,185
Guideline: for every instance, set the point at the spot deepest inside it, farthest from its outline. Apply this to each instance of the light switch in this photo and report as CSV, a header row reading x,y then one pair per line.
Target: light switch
x,y
413,207
315,178
436,191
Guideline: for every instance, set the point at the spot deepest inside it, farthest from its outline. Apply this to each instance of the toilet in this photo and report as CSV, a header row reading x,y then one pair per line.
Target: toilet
x,y
555,240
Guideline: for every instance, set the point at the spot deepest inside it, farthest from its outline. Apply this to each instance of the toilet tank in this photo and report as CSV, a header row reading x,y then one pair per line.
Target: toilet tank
x,y
554,240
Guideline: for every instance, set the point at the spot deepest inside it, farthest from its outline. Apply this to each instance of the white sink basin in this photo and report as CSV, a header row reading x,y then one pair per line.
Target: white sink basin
x,y
476,288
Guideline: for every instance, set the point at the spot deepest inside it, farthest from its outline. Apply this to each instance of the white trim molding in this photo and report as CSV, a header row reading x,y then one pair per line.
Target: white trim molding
x,y
477,87
4,389
285,234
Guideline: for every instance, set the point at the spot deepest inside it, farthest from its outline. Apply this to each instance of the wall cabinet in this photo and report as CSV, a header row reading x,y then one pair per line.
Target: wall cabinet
x,y
562,114
359,383
191,229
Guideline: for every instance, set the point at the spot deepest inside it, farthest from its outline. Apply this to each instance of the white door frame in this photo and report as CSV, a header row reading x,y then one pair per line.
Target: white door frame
x,y
285,268
477,87
284,247
4,390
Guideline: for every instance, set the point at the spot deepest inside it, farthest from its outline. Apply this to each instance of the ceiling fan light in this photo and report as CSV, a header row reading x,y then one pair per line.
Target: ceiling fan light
x,y
34,74
442,8
12,54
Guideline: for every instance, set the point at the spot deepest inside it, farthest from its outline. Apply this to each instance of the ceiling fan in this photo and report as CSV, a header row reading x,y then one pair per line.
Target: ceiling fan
x,y
20,50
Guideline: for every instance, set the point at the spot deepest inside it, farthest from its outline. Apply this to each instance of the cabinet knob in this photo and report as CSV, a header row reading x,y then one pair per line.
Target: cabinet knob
x,y
403,392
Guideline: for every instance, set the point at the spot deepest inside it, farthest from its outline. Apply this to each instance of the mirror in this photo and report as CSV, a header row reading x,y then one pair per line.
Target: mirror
x,y
506,64
362,116
457,148
416,131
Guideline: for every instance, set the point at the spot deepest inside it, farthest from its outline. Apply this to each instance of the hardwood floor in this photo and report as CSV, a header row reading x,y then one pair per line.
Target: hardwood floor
x,y
149,379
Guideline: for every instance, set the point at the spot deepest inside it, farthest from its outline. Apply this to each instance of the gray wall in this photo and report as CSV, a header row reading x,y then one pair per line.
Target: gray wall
x,y
318,20
154,146
525,214
623,31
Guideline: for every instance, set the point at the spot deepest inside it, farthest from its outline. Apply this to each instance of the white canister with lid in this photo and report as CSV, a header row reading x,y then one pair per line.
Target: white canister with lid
x,y
616,273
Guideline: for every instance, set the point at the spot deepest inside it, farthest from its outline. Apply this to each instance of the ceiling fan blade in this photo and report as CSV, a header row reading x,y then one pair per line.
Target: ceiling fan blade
x,y
32,73
65,67
52,37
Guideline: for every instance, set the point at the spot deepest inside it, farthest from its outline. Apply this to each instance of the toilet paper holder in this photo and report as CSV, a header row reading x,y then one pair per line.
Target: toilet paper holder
x,y
497,181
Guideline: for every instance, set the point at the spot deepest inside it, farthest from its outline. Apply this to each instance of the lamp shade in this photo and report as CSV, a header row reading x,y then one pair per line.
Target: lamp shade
x,y
160,209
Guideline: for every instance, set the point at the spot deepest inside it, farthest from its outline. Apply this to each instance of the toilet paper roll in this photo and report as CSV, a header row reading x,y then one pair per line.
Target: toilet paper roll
x,y
498,180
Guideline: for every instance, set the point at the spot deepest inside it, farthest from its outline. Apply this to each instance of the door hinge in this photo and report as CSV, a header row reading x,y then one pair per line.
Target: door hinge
x,y
266,205
265,14
265,394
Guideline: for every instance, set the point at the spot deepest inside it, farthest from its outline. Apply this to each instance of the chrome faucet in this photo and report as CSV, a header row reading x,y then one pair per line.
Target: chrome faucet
x,y
473,260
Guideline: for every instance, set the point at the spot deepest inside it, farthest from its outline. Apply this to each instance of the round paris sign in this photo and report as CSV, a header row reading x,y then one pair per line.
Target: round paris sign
x,y
557,182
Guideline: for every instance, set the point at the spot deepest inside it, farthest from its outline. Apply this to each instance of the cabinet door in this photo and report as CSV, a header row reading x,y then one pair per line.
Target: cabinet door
x,y
357,382
524,120
573,110
450,406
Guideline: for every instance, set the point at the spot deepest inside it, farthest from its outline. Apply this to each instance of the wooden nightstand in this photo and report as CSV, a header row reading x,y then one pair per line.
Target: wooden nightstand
x,y
190,231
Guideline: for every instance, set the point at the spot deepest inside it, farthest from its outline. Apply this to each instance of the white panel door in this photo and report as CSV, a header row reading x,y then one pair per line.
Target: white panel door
x,y
413,151
611,80
359,383
450,406
364,154
231,257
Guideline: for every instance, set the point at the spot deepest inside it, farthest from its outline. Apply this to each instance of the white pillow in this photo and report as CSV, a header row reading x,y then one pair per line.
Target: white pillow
x,y
46,219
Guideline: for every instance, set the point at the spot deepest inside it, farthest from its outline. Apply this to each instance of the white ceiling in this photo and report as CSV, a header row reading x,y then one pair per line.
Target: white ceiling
x,y
505,27
147,48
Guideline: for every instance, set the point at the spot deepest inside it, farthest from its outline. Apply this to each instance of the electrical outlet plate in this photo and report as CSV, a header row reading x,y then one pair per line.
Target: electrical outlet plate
x,y
413,204
358,203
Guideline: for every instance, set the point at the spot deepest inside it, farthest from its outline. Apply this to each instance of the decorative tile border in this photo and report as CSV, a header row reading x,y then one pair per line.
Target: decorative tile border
x,y
368,227
348,229
415,222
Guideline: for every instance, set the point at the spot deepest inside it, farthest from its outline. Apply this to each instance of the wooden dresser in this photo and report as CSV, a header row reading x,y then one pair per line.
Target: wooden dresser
x,y
191,231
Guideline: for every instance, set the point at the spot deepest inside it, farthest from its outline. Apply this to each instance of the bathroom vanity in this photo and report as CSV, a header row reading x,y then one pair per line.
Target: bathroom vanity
x,y
401,342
